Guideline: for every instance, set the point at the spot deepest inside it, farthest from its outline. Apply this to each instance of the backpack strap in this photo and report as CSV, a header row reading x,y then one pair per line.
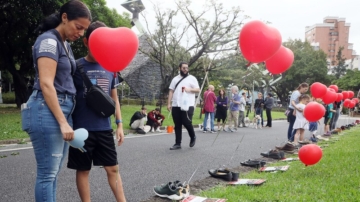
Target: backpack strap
x,y
86,79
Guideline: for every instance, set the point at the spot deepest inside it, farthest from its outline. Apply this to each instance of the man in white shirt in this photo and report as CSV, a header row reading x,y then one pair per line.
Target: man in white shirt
x,y
242,110
191,86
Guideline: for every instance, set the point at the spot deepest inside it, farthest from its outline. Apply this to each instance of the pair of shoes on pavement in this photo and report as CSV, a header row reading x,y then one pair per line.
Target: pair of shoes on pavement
x,y
173,190
177,146
274,153
212,131
157,130
253,163
288,148
230,130
224,174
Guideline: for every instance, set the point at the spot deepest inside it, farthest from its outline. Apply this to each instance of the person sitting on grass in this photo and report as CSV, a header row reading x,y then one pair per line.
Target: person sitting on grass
x,y
155,120
138,121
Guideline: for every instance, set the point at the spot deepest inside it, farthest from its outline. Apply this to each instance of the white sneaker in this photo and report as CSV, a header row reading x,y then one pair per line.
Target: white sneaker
x,y
152,130
158,130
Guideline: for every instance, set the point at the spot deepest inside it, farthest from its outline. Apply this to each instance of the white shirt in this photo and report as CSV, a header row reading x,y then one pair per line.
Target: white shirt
x,y
189,82
242,104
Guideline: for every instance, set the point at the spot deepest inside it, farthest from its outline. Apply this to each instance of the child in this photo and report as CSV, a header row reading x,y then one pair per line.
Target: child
x,y
328,115
300,123
313,126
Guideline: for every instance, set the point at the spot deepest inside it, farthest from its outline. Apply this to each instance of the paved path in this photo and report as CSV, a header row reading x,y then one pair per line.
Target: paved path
x,y
145,161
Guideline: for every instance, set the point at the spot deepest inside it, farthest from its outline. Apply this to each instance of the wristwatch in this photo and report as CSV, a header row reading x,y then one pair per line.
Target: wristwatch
x,y
118,121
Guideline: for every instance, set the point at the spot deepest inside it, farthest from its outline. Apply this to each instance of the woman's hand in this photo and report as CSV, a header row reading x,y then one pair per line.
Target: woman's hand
x,y
67,132
120,135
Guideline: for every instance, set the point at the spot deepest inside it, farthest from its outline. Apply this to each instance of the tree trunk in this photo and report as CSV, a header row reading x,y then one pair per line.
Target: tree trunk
x,y
21,91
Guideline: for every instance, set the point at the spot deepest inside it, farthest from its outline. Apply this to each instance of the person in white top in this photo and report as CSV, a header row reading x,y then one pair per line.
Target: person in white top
x,y
301,124
242,110
191,86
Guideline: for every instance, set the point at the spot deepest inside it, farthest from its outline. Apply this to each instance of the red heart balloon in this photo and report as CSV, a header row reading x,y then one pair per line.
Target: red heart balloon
x,y
339,97
329,97
334,87
113,48
310,154
280,61
314,111
351,94
356,100
318,90
347,103
352,104
345,94
258,41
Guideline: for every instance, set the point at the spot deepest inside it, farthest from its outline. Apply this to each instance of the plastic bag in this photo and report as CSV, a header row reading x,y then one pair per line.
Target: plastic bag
x,y
184,105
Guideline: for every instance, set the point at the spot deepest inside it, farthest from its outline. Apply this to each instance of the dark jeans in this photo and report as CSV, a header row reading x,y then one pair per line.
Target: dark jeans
x,y
334,119
182,118
292,119
154,125
248,109
268,116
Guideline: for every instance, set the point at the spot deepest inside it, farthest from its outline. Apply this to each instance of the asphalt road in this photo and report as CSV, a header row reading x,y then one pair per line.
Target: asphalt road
x,y
145,161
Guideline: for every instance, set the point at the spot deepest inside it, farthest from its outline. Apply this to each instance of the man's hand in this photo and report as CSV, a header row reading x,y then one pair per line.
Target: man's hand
x,y
169,107
159,121
120,135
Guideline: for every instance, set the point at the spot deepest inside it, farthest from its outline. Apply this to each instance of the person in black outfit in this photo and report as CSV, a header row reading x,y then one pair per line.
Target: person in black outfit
x,y
258,106
221,108
269,103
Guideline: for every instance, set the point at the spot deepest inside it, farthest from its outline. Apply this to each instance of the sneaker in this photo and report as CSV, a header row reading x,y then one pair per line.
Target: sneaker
x,y
275,154
140,131
192,142
175,147
152,130
328,134
204,131
305,142
229,130
213,131
185,188
169,191
322,138
158,130
313,139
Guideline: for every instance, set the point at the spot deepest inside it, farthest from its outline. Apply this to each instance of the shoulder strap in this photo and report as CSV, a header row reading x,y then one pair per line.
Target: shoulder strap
x,y
179,82
84,76
66,51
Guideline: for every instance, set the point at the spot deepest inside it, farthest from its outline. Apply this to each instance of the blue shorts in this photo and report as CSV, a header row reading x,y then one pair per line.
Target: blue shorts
x,y
313,126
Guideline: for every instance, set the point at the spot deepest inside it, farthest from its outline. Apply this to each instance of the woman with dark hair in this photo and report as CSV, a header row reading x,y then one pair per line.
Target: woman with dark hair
x,y
221,108
46,116
294,100
258,106
268,105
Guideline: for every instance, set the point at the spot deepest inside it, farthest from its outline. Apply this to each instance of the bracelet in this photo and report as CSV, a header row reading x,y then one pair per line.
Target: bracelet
x,y
118,121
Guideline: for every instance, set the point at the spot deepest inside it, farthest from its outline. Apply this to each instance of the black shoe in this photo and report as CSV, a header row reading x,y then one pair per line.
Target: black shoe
x,y
253,163
140,131
221,173
175,147
275,154
192,141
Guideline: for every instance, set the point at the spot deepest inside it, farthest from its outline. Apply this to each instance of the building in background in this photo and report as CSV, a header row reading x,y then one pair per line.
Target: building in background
x,y
329,36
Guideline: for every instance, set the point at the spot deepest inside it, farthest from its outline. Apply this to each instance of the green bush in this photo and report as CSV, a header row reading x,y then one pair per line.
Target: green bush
x,y
8,98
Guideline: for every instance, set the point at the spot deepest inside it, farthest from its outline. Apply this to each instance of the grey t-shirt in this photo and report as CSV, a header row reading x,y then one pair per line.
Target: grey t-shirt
x,y
294,96
47,45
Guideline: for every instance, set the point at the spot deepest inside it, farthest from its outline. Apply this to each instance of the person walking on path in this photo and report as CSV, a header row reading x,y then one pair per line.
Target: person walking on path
x,y
180,118
209,101
46,116
294,100
269,103
99,146
221,108
234,109
242,110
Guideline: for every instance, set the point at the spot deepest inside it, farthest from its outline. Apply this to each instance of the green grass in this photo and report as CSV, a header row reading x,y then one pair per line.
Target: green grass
x,y
10,119
334,178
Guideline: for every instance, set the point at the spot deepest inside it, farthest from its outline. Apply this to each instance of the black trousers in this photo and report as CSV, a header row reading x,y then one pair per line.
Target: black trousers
x,y
268,116
182,118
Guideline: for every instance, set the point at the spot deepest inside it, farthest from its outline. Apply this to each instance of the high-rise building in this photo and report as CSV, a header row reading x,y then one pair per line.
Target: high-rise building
x,y
329,36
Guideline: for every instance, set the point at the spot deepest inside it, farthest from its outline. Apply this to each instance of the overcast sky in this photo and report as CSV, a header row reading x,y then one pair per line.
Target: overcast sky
x,y
289,16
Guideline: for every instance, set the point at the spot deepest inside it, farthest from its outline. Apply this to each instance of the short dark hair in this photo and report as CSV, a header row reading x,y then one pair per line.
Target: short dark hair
x,y
74,9
182,63
143,108
92,27
157,109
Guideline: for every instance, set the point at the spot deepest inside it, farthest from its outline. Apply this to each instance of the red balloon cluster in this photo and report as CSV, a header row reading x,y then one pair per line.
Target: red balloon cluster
x,y
314,111
310,154
113,48
260,42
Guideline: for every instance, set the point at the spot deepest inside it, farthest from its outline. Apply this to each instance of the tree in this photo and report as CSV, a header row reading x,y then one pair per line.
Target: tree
x,y
309,66
20,18
350,81
340,68
198,38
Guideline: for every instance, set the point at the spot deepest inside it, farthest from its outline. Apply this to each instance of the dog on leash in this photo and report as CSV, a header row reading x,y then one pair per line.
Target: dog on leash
x,y
257,122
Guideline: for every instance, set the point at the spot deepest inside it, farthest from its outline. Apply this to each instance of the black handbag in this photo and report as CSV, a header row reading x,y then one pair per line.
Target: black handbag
x,y
96,98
